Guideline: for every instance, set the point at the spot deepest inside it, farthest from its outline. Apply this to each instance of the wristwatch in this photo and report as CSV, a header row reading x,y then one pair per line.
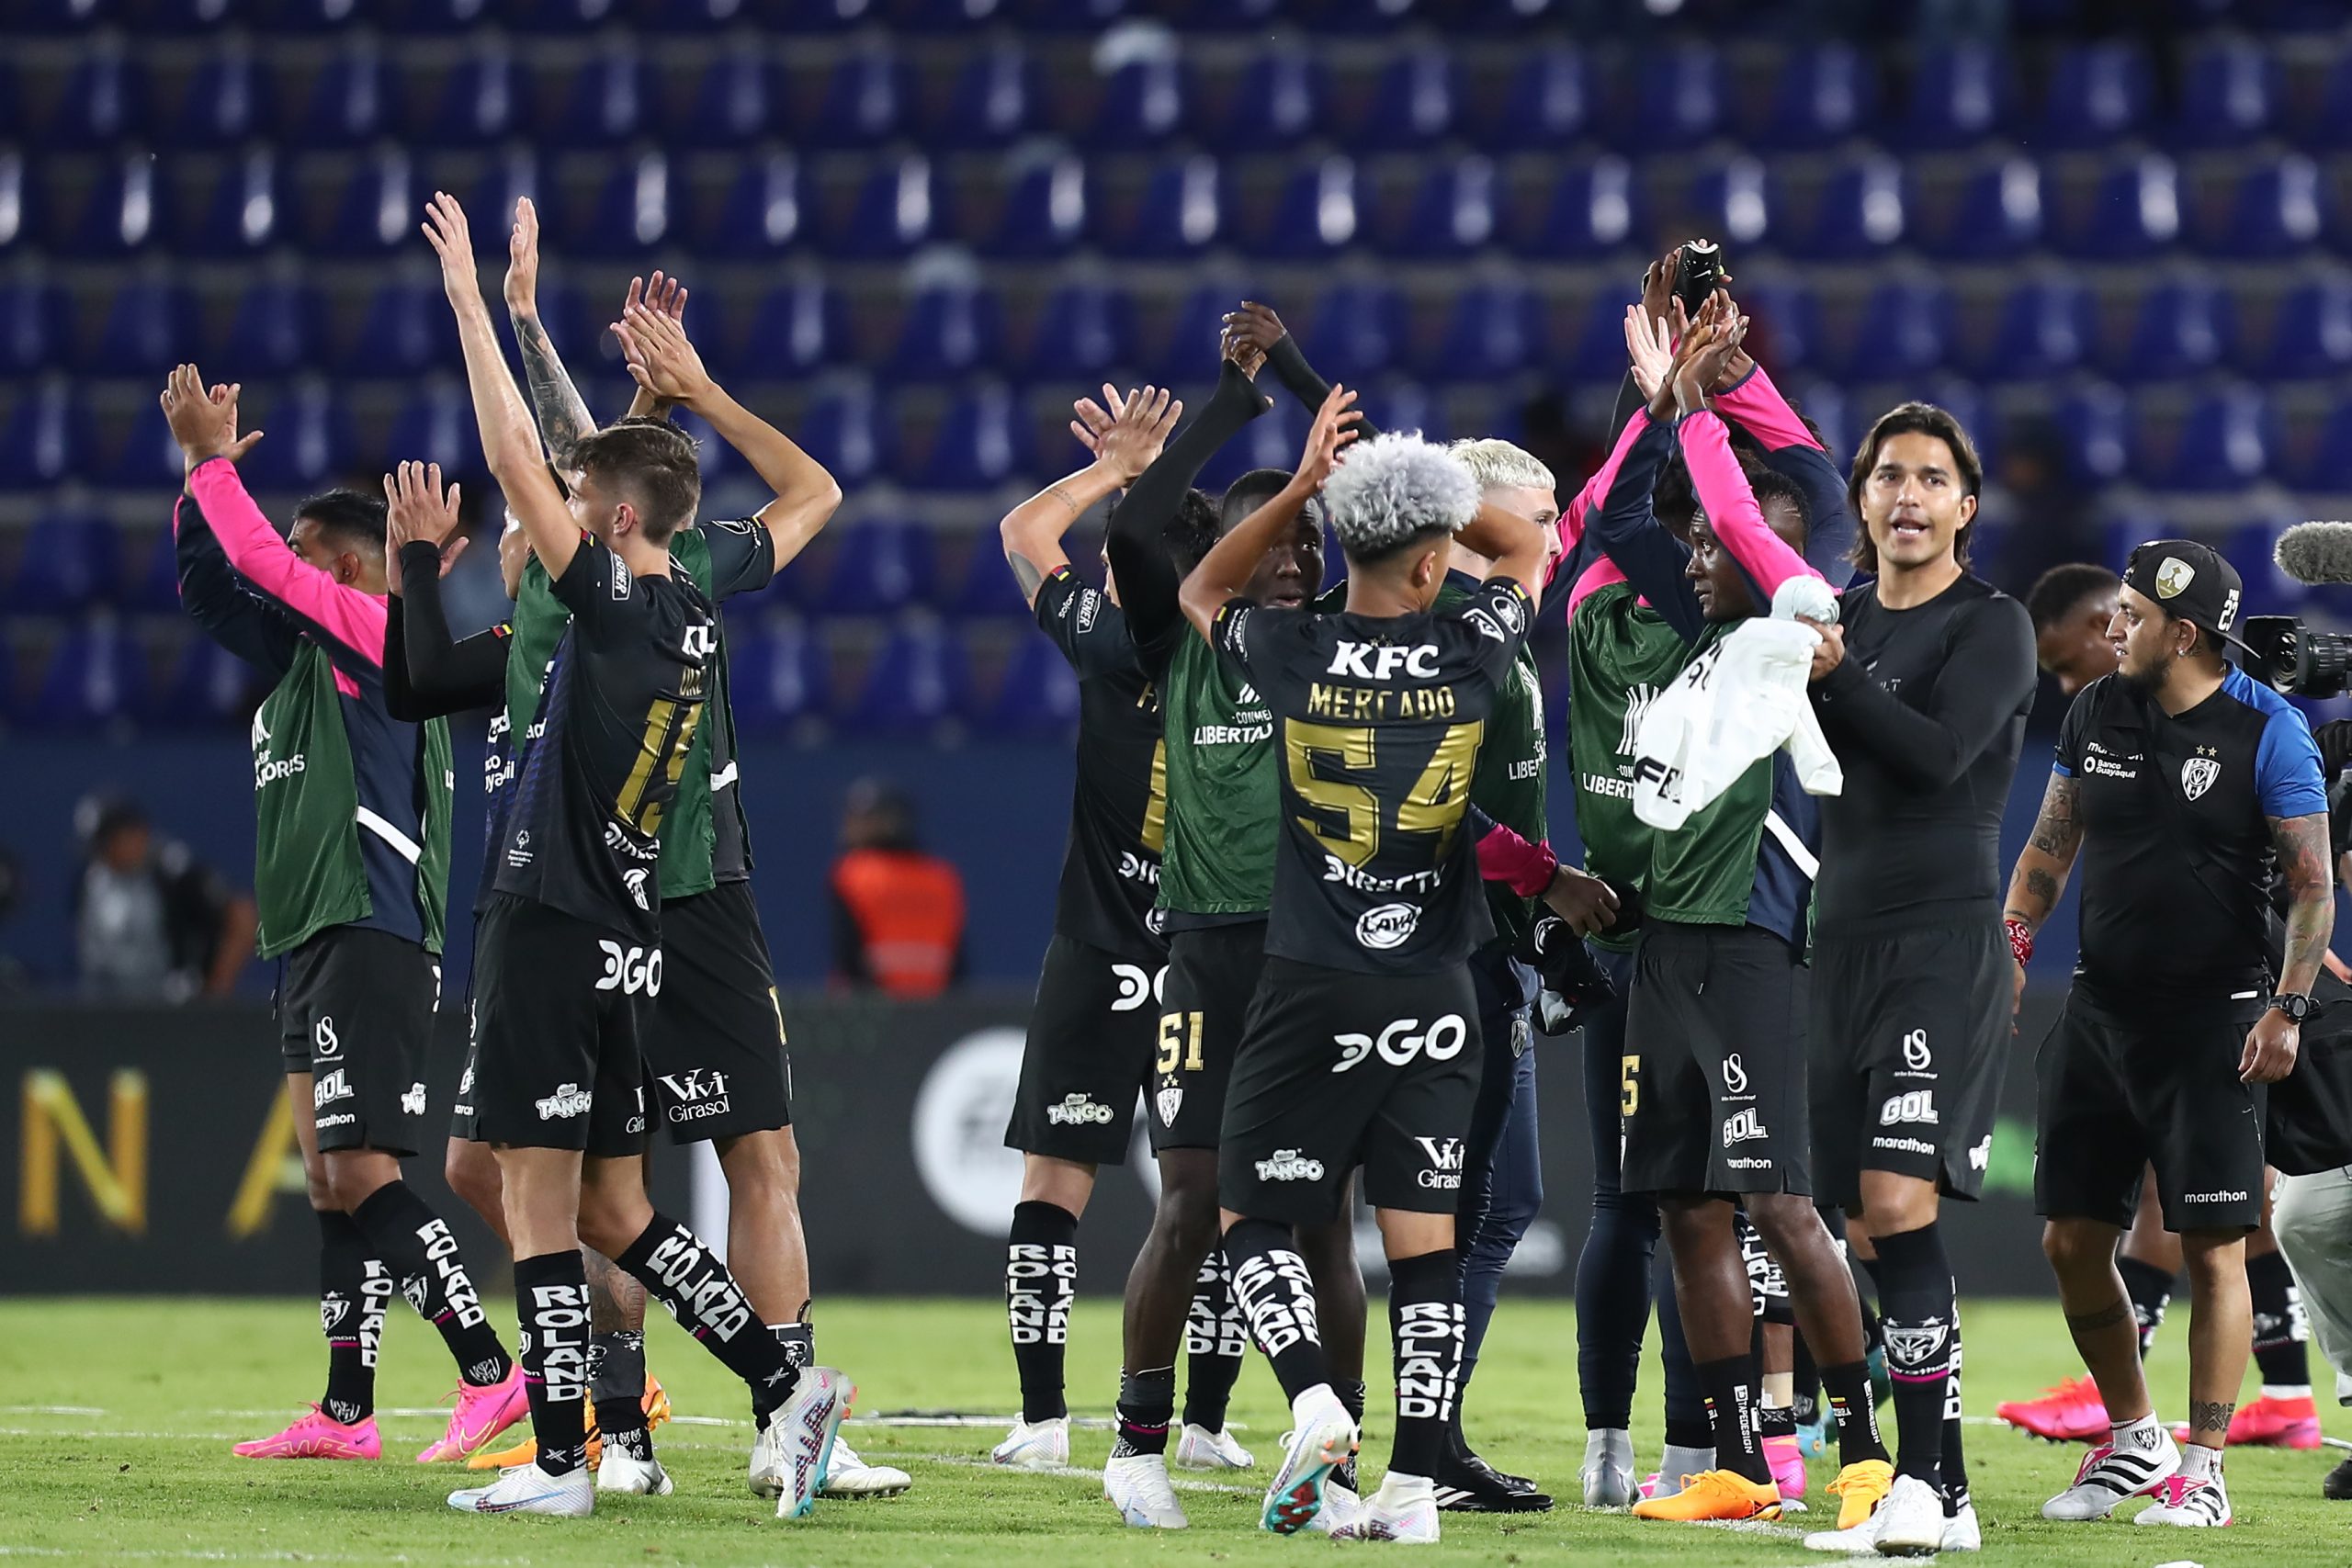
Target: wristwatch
x,y
2296,1008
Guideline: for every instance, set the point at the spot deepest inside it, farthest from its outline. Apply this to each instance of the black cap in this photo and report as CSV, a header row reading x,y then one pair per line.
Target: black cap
x,y
2191,583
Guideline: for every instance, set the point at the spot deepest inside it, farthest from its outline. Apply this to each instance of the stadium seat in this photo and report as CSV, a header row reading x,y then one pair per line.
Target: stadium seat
x,y
1956,95
777,678
1070,16
988,591
798,326
848,431
309,445
1999,215
1862,213
1905,329
1393,403
2229,94
1595,211
1317,216
809,15
405,330
610,101
2229,439
149,458
106,100
919,680
2310,333
994,100
207,688
507,175
128,209
146,330
862,103
632,213
1180,216
2135,214
1413,104
1358,329
22,194
1678,97
895,211
733,103
1276,104
984,442
436,425
1188,355
156,588
949,329
763,212
2047,325
878,569
47,437
1550,102
222,104
35,323
1492,329
485,98
2181,327
1044,210
2099,95
1821,95
718,460
2277,210
1597,343
2328,124
247,213
2094,426
71,560
379,209
95,675
350,103
1270,441
2330,466
1453,212
1785,324
1738,200
278,327
1144,102
1038,699
1085,331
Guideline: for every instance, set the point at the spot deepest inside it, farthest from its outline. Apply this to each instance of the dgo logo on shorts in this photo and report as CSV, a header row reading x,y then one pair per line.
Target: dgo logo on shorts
x,y
1386,926
629,970
1399,1044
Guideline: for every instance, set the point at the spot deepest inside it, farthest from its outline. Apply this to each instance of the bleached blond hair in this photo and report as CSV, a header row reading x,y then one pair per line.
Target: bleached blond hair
x,y
1393,488
1497,464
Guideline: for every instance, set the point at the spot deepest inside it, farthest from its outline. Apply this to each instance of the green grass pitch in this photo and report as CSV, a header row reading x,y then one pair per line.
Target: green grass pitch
x,y
116,1418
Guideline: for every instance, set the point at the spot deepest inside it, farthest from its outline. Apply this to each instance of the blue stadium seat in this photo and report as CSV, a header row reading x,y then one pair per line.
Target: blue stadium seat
x,y
47,437
484,99
22,202
309,445
1862,214
777,678
278,327
1999,215
2099,95
733,103
1785,324
106,99
1597,350
507,175
71,560
533,15
1044,210
918,680
1958,96
1677,96
405,330
1358,329
128,209
849,431
223,102
2181,327
2249,546
1453,212
351,101
805,16
995,100
878,569
988,591
1412,106
1596,210
1277,103
2328,125
764,212
436,425
95,675
949,329
1821,95
148,460
35,323
2229,439
146,330
1270,441
1905,329
633,213
1188,355
1393,403
207,688
156,589
894,213
2135,214
1143,101
1181,213
2311,333
2047,325
862,103
2330,465
717,459
1738,201
984,442
1550,101
1085,331
610,101
1317,215
1070,16
1492,329
2229,93
2279,209
798,325
247,213
2095,425
1038,700
380,210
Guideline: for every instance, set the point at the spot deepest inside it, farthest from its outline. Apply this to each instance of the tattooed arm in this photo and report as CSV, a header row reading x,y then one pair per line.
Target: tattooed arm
x,y
2048,856
562,416
2301,843
1123,448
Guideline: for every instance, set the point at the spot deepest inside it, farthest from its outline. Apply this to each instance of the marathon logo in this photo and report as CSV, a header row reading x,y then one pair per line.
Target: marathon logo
x,y
2224,1196
1078,1109
1904,1145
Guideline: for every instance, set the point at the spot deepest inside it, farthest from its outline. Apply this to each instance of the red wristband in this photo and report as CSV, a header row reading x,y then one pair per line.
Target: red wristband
x,y
2020,941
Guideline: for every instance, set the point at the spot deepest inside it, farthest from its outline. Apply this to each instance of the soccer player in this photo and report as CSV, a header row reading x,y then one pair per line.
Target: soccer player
x,y
2071,607
351,879
1713,1076
1358,1050
1216,879
571,938
1092,1034
1923,692
2178,778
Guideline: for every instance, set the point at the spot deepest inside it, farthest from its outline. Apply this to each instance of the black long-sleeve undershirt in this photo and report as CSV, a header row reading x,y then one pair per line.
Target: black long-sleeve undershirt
x,y
1136,542
427,673
1302,381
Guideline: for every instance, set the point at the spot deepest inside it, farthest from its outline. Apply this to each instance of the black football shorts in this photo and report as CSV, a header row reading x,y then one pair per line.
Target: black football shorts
x,y
1212,976
355,1010
715,1054
558,1005
1087,1055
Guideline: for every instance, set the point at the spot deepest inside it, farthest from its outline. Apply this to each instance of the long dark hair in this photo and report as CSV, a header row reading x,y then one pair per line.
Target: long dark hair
x,y
1912,419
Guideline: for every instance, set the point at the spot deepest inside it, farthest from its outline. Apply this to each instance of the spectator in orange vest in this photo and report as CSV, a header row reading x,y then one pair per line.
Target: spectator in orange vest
x,y
898,912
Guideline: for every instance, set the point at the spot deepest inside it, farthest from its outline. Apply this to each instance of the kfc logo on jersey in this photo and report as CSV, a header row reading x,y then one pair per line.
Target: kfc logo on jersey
x,y
1373,661
1078,1109
1386,926
568,1099
2197,773
1444,1154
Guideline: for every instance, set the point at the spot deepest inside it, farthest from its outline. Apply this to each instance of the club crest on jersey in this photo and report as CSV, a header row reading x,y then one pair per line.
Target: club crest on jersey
x,y
1386,926
2197,776
1167,1101
2173,577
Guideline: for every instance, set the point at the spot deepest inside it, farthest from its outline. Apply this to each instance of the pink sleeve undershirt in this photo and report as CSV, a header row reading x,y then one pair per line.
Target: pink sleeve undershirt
x,y
1758,406
1730,507
1504,856
1602,572
260,556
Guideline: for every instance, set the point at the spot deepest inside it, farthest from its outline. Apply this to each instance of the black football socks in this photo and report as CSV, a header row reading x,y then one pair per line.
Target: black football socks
x,y
352,1290
1215,1343
1040,1282
680,1273
551,1308
415,1243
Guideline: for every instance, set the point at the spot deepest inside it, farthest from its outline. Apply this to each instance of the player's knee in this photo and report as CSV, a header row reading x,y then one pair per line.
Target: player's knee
x,y
1187,1219
471,1172
762,1167
2075,1249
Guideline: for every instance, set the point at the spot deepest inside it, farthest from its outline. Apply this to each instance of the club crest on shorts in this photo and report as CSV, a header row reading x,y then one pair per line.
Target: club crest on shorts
x,y
2197,776
1167,1101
